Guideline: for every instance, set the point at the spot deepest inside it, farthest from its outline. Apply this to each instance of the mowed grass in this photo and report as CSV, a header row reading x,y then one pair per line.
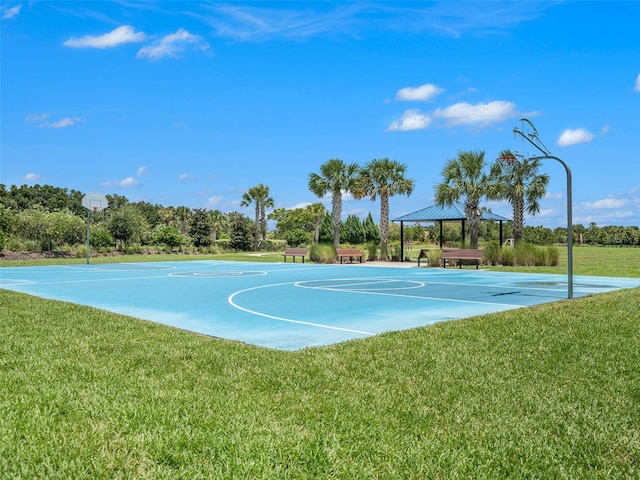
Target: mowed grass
x,y
551,391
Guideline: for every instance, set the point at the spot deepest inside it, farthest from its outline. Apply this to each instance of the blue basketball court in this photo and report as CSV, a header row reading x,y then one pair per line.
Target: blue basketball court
x,y
293,306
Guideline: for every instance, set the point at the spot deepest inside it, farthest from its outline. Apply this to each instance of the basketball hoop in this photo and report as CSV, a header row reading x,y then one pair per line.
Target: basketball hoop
x,y
95,202
507,164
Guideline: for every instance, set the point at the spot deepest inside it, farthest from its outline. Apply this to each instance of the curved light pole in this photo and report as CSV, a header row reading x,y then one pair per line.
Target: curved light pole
x,y
532,137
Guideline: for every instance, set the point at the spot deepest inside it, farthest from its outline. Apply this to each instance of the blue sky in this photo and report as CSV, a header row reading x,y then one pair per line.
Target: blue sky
x,y
193,103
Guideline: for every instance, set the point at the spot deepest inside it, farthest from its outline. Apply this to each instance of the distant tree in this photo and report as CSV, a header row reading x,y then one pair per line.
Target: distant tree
x,y
521,186
326,229
127,225
352,231
7,219
218,221
240,228
383,178
316,212
259,196
65,228
116,201
200,228
297,237
182,215
166,215
100,238
169,236
335,177
464,180
371,230
292,225
151,213
33,224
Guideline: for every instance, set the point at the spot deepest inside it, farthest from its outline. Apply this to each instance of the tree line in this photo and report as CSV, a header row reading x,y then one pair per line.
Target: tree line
x,y
43,217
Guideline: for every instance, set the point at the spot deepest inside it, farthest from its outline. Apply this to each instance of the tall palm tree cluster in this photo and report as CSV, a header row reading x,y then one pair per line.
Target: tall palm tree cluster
x,y
465,178
379,178
517,181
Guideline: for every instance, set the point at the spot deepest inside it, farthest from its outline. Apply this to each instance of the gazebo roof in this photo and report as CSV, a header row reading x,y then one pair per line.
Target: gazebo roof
x,y
436,213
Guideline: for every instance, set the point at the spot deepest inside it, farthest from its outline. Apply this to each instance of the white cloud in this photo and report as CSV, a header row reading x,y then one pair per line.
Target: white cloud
x,y
213,201
411,120
185,176
172,45
64,122
42,119
573,137
607,203
36,117
637,87
32,177
299,205
126,182
8,13
423,92
481,114
119,36
141,171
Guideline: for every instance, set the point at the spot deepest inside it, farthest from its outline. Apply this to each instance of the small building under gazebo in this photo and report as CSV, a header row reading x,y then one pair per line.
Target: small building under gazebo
x,y
440,214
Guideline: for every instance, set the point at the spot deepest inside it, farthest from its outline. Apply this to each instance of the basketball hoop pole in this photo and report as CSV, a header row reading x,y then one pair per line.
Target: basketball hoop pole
x,y
93,202
533,139
88,233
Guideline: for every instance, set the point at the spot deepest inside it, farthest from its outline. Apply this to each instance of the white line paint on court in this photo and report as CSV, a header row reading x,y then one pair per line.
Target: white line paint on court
x,y
288,320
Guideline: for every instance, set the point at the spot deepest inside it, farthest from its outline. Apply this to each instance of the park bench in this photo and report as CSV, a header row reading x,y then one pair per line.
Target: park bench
x,y
295,252
349,253
461,254
423,254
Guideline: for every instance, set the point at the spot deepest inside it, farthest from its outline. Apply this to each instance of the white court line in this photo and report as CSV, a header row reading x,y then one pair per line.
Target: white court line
x,y
402,295
370,283
420,297
288,320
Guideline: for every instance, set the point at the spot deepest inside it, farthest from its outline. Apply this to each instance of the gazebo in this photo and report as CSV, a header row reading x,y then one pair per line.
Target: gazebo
x,y
437,213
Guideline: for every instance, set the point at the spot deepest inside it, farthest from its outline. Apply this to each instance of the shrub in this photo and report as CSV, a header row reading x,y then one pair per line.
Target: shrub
x,y
297,237
14,244
526,254
372,251
491,253
276,245
507,256
434,256
169,236
322,253
100,238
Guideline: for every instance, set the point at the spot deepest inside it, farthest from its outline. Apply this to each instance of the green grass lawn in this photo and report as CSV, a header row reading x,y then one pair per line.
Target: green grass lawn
x,y
551,391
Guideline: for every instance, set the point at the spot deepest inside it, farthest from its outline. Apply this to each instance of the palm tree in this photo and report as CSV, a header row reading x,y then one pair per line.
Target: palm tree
x,y
521,186
182,214
384,178
260,196
336,177
217,219
464,179
316,212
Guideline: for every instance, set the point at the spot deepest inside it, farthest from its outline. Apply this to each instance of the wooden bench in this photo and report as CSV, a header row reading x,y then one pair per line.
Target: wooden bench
x,y
461,254
423,254
349,253
295,252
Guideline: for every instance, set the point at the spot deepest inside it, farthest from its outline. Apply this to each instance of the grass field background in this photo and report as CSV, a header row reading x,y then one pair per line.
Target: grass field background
x,y
546,392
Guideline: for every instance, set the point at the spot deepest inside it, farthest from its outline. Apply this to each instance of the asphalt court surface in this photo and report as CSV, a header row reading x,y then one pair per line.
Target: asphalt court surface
x,y
293,306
